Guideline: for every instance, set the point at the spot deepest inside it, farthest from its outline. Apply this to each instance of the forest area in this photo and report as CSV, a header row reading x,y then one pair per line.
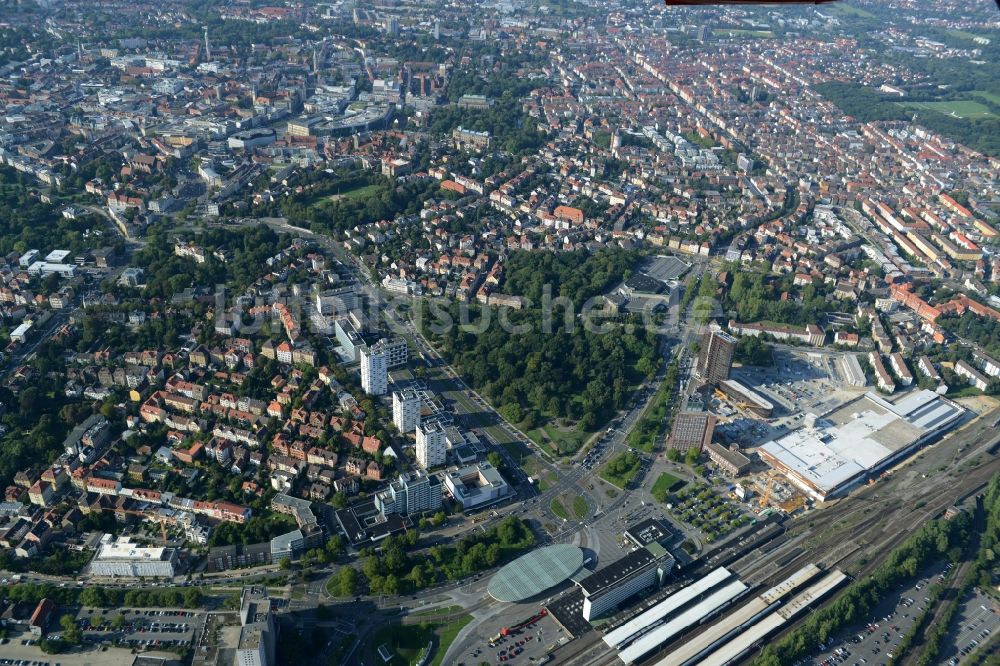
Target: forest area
x,y
549,366
866,105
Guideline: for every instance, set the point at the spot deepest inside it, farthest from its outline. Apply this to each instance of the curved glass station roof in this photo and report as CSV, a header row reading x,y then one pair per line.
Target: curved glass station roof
x,y
535,572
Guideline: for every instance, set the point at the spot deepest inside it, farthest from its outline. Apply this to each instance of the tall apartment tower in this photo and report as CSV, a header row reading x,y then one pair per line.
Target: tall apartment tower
x,y
431,448
716,356
406,410
374,371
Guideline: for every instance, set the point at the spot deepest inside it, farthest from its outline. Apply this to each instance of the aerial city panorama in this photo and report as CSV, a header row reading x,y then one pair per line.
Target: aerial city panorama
x,y
481,332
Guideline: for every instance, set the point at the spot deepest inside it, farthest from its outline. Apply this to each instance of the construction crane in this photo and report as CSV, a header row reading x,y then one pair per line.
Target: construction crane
x,y
766,497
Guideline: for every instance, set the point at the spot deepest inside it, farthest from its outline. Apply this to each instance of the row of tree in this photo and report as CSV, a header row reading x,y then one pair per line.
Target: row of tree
x,y
394,570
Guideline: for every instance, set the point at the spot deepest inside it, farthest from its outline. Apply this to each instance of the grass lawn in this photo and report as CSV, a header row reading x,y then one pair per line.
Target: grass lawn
x,y
744,33
408,642
963,108
665,483
559,508
440,610
356,193
557,441
579,507
531,465
987,95
845,9
447,635
962,34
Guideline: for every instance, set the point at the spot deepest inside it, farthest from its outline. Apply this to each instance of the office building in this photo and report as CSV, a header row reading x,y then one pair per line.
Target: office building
x,y
476,485
431,447
604,589
258,631
406,410
410,494
122,558
374,371
716,356
730,460
395,349
692,430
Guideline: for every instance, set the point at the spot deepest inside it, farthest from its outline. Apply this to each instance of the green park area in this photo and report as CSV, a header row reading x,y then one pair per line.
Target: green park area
x,y
621,469
987,95
963,34
531,464
743,33
407,643
961,108
665,484
556,440
355,193
845,9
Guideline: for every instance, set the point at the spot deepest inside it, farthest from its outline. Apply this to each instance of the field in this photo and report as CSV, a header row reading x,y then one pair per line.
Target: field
x,y
962,34
844,9
407,642
963,108
556,440
744,33
563,509
665,484
987,95
357,193
531,465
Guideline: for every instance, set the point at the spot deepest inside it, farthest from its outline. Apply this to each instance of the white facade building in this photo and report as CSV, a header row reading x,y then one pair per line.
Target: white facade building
x,y
406,410
374,371
125,559
431,447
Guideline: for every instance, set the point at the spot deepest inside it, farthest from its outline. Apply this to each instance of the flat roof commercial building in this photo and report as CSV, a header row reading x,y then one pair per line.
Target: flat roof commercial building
x,y
476,485
122,558
692,430
851,370
731,461
858,440
606,588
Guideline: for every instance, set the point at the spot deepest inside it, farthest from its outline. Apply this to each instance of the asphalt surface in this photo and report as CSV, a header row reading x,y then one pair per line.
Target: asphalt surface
x,y
873,642
977,621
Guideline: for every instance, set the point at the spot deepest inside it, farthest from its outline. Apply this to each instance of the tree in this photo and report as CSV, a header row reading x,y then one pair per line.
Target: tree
x,y
691,457
285,563
347,582
71,634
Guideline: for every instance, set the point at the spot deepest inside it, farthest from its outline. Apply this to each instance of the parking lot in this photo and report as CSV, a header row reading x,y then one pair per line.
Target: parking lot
x,y
873,642
975,625
141,628
528,645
